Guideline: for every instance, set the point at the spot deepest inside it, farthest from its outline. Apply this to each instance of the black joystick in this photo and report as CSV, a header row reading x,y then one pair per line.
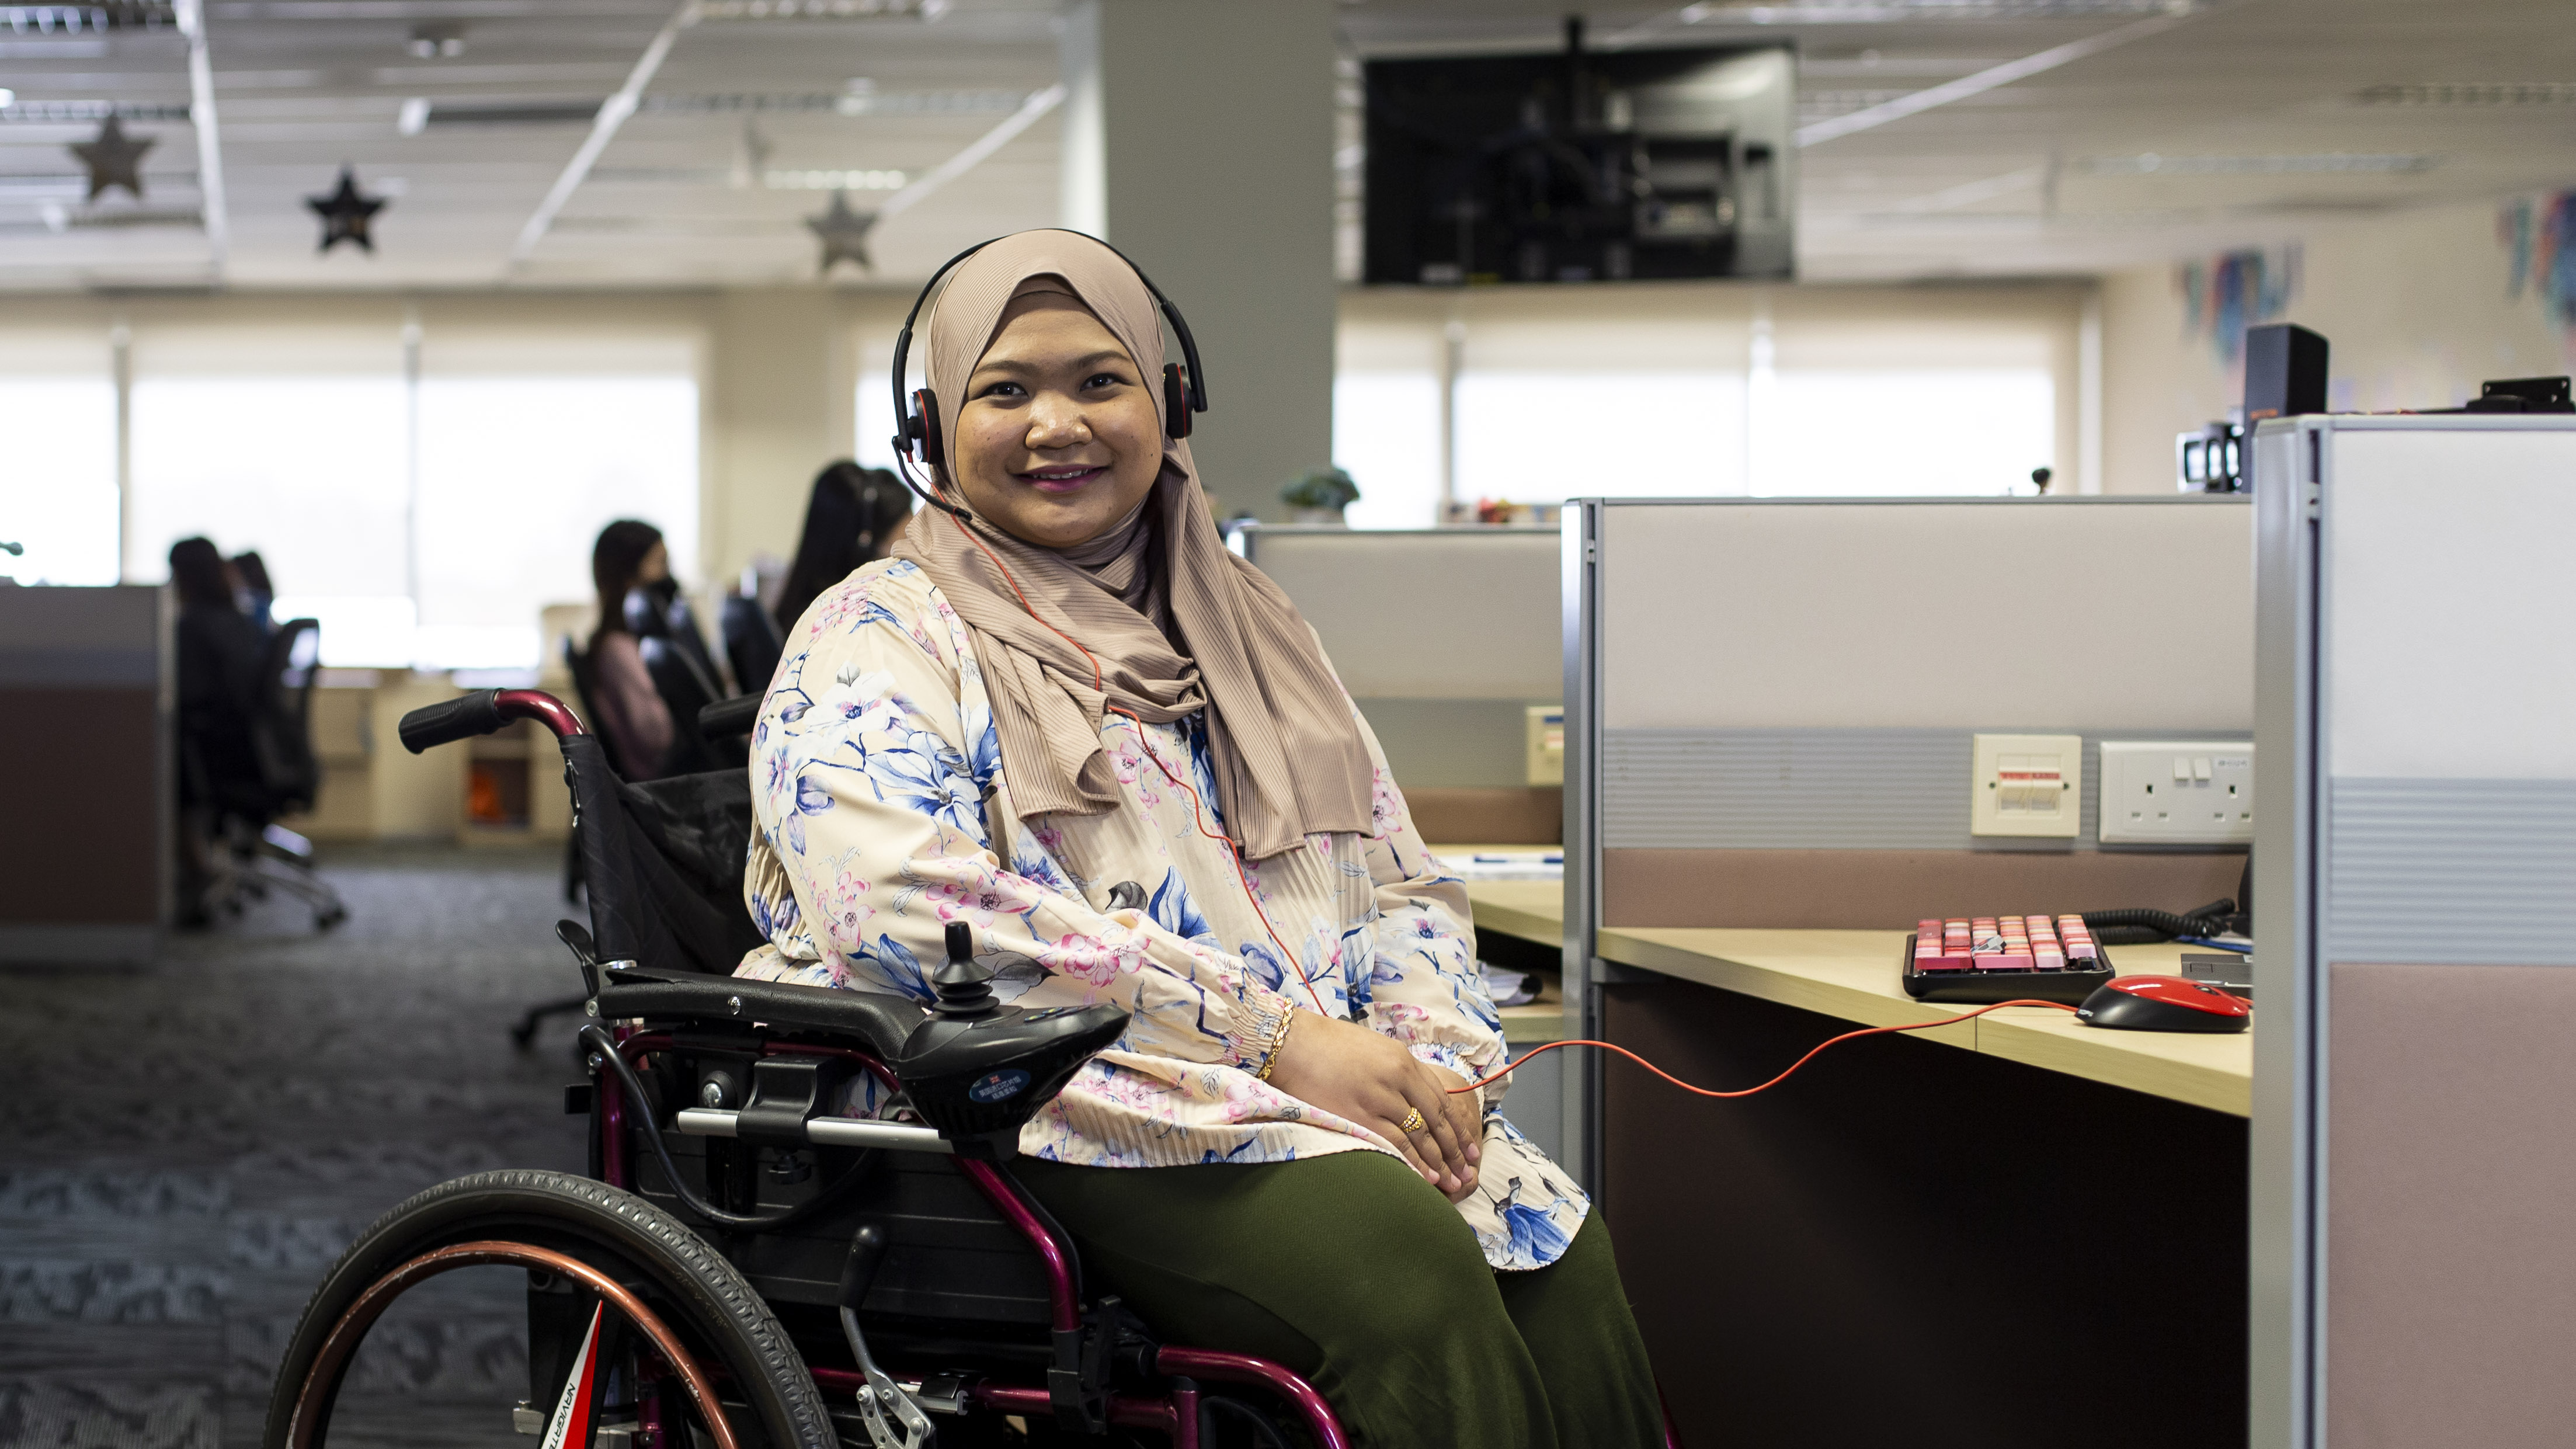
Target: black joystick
x,y
962,984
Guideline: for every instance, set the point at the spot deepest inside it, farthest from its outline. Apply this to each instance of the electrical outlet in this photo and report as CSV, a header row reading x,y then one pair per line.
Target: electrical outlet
x,y
2027,785
1546,744
2178,792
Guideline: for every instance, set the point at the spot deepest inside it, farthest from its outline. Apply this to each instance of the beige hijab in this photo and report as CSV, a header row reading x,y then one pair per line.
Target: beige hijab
x,y
1176,622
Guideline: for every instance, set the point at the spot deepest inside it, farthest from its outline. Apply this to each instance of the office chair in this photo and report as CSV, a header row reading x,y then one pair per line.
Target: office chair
x,y
684,674
256,853
751,641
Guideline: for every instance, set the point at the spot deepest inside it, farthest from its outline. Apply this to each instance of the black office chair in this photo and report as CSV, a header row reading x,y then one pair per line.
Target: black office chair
x,y
684,674
752,642
280,776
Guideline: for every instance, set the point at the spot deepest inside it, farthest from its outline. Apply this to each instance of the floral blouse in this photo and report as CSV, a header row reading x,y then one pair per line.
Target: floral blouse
x,y
885,812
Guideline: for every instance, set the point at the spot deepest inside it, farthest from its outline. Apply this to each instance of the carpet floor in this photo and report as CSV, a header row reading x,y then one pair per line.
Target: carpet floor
x,y
191,1144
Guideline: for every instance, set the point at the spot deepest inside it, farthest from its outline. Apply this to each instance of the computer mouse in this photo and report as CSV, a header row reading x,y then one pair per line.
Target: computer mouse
x,y
2164,1003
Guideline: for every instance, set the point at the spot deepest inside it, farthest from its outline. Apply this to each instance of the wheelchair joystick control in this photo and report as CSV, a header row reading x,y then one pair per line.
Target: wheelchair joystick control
x,y
963,985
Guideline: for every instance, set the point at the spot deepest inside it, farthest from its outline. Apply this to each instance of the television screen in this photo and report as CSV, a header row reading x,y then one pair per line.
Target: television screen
x,y
1581,166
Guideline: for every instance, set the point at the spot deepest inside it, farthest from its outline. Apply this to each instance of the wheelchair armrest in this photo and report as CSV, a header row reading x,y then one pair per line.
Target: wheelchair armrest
x,y
975,1077
878,1020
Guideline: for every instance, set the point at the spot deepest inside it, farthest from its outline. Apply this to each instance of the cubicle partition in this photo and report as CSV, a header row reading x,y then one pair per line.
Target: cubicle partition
x,y
1772,710
2415,1277
1446,638
87,693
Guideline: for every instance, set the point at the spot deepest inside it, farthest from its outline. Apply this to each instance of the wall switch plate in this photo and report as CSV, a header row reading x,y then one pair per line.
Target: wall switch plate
x,y
1547,744
2178,792
2027,785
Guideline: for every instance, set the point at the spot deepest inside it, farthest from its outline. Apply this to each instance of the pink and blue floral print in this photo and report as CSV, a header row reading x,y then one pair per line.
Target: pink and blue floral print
x,y
884,812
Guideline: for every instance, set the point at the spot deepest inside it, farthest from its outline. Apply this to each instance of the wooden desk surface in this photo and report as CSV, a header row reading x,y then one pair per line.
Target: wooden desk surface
x,y
1853,975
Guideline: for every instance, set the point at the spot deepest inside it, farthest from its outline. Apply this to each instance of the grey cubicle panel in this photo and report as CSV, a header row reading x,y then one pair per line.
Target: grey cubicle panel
x,y
2414,1177
1444,637
87,691
1764,694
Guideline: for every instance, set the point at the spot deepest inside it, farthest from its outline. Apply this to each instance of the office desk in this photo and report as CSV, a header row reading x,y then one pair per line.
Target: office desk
x,y
1819,1264
1852,975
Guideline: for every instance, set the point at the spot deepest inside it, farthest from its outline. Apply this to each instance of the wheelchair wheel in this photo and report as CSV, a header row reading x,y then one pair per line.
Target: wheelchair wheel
x,y
624,1301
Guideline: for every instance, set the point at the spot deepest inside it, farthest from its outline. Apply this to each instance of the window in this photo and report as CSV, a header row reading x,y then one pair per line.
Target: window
x,y
1694,391
1962,405
517,476
58,474
424,522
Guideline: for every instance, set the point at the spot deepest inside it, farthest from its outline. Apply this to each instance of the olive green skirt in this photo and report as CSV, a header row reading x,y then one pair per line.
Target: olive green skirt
x,y
1357,1274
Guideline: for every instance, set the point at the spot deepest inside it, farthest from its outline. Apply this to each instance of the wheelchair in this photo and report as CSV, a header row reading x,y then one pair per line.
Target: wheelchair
x,y
744,1264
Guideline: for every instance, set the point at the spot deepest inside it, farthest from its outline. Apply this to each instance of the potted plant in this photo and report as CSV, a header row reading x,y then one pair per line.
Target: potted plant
x,y
1319,496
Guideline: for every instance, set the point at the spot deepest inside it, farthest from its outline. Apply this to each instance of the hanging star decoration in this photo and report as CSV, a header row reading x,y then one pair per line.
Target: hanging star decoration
x,y
113,159
346,214
844,234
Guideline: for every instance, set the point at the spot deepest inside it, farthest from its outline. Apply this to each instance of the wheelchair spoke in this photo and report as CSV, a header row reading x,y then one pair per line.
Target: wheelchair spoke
x,y
304,1429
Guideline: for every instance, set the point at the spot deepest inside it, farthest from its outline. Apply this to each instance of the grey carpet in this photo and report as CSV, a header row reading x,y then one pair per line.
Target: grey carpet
x,y
187,1147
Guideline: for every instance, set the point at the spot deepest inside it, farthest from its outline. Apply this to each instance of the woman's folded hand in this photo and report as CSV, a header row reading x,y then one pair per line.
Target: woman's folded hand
x,y
1355,1073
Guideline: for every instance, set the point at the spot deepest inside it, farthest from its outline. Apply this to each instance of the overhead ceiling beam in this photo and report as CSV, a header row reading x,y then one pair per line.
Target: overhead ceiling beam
x,y
1917,103
603,128
210,151
1029,114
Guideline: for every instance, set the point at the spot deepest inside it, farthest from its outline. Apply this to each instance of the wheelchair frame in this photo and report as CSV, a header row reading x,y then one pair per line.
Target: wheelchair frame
x,y
1102,1372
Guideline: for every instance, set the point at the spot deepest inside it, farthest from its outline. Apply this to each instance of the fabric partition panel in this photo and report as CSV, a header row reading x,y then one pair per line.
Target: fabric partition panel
x,y
1789,691
2412,1168
88,686
1771,704
1445,638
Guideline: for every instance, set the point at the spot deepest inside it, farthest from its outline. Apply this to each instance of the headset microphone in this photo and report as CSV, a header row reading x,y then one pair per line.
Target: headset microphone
x,y
918,435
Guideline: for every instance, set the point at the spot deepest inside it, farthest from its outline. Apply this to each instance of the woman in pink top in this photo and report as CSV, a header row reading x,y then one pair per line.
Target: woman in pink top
x,y
632,717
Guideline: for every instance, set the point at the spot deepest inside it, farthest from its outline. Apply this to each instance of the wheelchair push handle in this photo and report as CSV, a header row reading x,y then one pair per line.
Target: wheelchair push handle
x,y
481,713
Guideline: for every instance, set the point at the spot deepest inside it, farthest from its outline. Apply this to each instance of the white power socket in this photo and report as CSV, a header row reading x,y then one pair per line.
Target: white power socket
x,y
2178,792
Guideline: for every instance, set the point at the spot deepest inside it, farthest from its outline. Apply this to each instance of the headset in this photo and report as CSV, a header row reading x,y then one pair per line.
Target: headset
x,y
918,436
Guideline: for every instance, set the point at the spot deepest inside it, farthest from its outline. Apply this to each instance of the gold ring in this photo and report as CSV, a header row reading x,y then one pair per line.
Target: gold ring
x,y
1412,1122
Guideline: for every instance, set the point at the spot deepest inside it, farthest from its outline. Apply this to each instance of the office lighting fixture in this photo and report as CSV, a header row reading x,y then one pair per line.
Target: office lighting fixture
x,y
2471,93
2152,164
95,18
420,113
191,17
1992,77
63,113
612,114
437,40
833,180
1887,12
824,9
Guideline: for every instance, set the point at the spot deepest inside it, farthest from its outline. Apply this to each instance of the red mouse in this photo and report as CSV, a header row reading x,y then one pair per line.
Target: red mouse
x,y
2164,1003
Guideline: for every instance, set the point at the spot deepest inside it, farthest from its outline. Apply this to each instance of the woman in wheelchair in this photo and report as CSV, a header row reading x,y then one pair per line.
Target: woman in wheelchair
x,y
1064,713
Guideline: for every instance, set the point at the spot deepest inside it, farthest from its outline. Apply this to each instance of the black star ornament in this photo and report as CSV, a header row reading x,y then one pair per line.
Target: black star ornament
x,y
345,214
844,234
113,159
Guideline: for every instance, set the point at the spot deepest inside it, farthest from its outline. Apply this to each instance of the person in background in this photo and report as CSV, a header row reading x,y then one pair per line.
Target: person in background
x,y
851,519
632,718
254,595
219,652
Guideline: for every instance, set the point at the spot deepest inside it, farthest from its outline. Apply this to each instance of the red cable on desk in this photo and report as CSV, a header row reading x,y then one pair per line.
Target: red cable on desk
x,y
1775,1081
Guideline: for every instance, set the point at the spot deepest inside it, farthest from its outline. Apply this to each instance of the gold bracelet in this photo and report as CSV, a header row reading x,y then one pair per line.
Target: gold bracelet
x,y
1278,1041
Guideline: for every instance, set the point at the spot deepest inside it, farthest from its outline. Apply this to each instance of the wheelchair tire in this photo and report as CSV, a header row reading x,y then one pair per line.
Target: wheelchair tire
x,y
698,1294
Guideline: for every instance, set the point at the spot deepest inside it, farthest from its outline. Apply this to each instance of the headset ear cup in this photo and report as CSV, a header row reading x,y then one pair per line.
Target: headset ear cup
x,y
1176,402
924,427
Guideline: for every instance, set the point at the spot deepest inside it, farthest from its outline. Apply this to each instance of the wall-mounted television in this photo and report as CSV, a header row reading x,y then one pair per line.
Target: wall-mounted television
x,y
1581,166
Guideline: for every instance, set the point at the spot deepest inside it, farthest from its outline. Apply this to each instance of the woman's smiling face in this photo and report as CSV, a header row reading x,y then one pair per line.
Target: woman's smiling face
x,y
1057,440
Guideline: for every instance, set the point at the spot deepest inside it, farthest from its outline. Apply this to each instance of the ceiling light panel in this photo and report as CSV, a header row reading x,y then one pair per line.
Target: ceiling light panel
x,y
2483,95
2152,164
